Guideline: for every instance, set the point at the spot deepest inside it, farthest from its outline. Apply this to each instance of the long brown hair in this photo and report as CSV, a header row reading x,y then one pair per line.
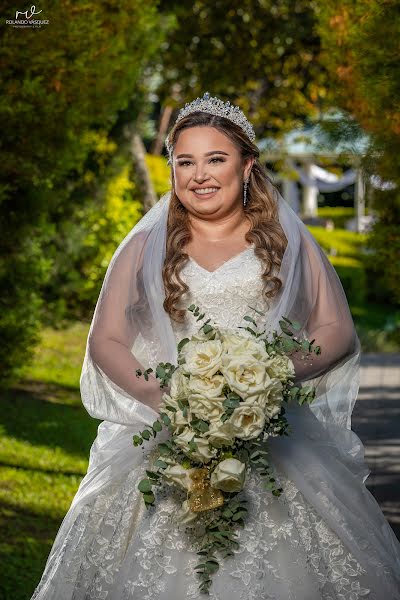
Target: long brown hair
x,y
265,233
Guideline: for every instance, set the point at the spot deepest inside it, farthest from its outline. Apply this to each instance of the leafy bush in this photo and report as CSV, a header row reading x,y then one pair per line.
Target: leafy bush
x,y
159,173
338,214
86,240
23,271
54,93
384,243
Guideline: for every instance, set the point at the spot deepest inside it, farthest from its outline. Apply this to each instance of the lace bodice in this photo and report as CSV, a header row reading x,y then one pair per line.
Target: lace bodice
x,y
225,294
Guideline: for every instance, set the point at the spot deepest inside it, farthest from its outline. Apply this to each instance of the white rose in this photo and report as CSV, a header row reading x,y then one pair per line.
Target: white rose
x,y
208,409
221,434
281,367
202,358
270,400
248,421
178,385
185,515
210,387
230,339
239,345
167,400
178,475
203,453
182,439
178,420
244,374
229,475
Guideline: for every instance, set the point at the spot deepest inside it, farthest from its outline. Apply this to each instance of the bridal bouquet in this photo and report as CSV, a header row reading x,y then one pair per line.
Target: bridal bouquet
x,y
226,398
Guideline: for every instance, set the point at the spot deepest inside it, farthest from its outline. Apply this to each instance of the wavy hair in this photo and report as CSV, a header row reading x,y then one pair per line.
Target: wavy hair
x,y
265,233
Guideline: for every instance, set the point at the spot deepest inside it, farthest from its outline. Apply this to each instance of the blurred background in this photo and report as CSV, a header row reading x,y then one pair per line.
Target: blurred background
x,y
88,96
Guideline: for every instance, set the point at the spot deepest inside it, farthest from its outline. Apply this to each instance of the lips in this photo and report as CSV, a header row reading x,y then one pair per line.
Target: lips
x,y
203,194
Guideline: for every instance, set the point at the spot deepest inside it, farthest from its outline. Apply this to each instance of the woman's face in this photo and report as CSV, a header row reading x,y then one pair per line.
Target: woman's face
x,y
205,158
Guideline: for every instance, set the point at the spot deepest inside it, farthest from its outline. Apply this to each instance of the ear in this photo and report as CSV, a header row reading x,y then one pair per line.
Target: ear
x,y
248,166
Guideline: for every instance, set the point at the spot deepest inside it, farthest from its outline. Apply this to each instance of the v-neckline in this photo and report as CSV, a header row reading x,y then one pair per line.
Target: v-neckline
x,y
229,260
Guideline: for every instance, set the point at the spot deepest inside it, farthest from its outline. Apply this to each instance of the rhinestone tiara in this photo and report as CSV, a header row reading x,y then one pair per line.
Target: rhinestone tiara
x,y
215,106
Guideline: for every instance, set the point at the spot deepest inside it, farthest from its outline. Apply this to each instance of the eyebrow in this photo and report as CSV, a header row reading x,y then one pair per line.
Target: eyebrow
x,y
206,154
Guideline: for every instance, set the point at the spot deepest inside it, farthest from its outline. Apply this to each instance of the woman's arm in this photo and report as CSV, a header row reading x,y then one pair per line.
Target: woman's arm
x,y
329,321
113,333
116,360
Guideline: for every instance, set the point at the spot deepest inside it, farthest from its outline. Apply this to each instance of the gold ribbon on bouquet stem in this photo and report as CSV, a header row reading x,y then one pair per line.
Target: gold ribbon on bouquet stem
x,y
202,496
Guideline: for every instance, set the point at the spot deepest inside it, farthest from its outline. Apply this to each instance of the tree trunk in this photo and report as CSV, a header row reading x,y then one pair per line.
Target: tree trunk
x,y
142,175
162,130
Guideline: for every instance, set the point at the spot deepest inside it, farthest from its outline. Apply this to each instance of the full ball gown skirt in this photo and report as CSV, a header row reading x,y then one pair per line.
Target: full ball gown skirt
x,y
328,541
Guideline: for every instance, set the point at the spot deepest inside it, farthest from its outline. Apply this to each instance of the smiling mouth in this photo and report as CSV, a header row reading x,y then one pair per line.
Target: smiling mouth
x,y
205,191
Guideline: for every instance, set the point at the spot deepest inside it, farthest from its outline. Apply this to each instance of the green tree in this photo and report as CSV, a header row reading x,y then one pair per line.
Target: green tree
x,y
262,55
360,50
60,83
100,213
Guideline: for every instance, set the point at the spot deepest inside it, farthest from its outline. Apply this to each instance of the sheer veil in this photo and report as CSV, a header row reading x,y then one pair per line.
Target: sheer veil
x,y
130,310
322,456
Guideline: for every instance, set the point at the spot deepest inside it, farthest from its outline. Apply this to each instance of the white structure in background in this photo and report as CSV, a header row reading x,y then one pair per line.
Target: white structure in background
x,y
306,146
315,179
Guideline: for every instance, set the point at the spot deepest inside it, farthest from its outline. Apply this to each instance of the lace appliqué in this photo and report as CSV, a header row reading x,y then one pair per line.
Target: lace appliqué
x,y
122,550
225,295
117,549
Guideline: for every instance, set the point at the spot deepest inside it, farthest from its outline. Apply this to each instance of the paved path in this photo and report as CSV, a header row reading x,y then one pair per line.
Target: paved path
x,y
376,420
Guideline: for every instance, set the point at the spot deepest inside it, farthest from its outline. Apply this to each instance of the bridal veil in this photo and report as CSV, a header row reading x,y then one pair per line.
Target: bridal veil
x,y
324,458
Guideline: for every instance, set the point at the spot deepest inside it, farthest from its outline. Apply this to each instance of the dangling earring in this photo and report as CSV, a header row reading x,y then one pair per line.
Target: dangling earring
x,y
246,182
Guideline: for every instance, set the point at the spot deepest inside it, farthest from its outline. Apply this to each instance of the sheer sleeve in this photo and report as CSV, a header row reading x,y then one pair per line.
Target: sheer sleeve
x,y
312,295
328,318
130,329
115,330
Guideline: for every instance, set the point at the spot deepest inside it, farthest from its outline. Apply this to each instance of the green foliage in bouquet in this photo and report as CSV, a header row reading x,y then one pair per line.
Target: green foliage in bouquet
x,y
226,398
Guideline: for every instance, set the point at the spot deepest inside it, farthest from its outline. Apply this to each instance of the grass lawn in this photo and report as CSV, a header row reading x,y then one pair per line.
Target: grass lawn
x,y
45,438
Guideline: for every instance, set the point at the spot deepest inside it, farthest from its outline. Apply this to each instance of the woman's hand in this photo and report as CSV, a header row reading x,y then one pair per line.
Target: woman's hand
x,y
156,393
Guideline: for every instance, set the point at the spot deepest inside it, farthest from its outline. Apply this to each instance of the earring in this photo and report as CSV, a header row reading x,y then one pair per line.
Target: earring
x,y
246,182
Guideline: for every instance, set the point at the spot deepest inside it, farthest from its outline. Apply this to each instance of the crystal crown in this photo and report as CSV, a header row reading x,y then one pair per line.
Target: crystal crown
x,y
215,106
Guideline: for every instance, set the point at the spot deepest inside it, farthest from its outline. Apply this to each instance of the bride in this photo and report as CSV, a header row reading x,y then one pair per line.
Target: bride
x,y
224,239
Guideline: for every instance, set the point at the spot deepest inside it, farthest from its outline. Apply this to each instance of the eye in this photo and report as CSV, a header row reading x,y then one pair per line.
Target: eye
x,y
188,162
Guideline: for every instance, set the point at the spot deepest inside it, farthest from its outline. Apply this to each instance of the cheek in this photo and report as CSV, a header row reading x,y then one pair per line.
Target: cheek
x,y
179,178
229,175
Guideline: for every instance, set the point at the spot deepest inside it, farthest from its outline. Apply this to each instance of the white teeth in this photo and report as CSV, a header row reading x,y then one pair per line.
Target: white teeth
x,y
206,190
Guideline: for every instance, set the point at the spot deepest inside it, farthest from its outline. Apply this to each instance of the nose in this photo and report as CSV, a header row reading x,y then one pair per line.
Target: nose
x,y
200,175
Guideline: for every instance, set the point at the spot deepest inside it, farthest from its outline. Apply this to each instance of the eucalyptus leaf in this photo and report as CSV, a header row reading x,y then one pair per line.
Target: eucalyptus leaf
x,y
207,328
157,426
160,463
165,419
144,485
137,440
164,449
160,372
149,498
247,318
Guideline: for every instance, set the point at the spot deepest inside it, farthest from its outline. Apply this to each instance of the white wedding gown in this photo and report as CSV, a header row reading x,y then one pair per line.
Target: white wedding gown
x,y
110,547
